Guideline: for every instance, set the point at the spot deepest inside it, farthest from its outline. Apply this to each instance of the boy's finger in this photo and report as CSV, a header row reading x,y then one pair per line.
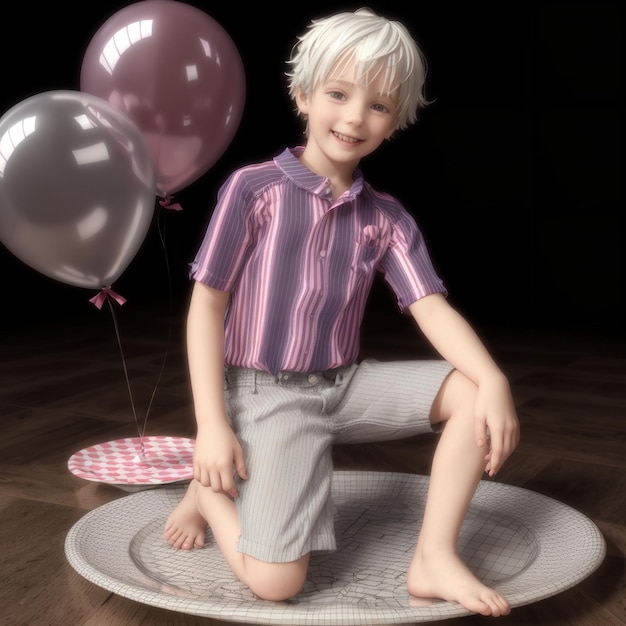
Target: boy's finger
x,y
480,432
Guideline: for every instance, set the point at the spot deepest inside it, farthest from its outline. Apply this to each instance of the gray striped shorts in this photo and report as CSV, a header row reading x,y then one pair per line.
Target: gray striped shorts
x,y
287,424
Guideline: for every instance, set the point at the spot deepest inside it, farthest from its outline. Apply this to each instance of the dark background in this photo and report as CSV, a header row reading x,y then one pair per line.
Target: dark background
x,y
514,173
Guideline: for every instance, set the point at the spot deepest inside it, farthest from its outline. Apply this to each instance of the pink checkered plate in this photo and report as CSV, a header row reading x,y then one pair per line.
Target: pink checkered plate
x,y
136,462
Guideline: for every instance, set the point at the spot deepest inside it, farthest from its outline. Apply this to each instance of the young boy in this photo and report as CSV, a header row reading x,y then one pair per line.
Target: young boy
x,y
281,281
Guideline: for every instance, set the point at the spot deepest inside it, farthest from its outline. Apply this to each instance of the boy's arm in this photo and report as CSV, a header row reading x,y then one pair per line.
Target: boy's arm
x,y
217,448
455,340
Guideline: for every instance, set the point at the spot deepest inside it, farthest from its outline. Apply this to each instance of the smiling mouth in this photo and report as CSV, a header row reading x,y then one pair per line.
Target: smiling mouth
x,y
345,138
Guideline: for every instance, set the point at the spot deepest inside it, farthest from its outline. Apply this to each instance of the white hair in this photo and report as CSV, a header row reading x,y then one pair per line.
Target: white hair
x,y
373,44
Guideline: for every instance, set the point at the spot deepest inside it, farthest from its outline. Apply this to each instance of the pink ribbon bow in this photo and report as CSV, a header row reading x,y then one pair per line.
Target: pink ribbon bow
x,y
101,296
166,203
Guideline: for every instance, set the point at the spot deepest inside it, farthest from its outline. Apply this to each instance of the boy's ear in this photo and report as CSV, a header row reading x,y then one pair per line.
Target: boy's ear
x,y
302,102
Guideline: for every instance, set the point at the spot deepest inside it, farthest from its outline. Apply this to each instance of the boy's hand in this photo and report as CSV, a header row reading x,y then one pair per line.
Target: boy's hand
x,y
217,451
497,426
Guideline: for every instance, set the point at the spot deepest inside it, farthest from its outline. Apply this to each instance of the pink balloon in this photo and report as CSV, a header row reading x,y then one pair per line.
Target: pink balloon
x,y
176,73
77,187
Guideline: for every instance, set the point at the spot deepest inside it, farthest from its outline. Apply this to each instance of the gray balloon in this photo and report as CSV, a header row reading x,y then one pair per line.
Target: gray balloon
x,y
77,187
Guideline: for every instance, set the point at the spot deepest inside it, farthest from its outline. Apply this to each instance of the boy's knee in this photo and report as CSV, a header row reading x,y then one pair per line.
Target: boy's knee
x,y
277,581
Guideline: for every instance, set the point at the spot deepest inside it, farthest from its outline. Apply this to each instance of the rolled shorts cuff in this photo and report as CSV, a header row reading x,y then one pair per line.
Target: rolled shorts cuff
x,y
286,554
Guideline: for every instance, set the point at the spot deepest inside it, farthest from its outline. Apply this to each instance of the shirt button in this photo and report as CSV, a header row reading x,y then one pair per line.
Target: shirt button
x,y
322,253
285,376
313,378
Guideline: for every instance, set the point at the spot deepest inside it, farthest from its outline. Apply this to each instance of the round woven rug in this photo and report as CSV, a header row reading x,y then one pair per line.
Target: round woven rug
x,y
526,545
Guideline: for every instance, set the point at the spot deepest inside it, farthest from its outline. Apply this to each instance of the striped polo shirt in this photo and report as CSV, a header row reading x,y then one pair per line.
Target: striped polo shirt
x,y
299,265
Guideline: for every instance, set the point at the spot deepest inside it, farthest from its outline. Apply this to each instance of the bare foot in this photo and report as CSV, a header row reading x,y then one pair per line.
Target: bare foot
x,y
185,528
446,577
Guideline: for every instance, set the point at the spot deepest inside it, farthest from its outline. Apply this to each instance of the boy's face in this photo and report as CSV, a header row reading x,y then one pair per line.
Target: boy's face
x,y
348,116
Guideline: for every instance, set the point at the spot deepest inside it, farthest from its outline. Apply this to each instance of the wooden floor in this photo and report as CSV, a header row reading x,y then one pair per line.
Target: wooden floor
x,y
64,388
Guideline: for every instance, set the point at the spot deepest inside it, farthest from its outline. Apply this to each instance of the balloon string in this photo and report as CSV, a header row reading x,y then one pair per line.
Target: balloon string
x,y
169,325
142,429
130,392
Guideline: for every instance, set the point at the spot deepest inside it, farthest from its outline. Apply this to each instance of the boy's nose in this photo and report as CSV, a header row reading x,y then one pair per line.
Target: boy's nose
x,y
355,115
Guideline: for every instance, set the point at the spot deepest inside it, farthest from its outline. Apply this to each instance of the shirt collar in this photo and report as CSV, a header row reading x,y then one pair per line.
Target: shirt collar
x,y
287,161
